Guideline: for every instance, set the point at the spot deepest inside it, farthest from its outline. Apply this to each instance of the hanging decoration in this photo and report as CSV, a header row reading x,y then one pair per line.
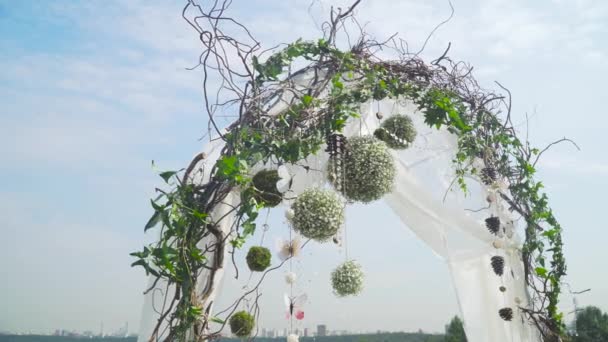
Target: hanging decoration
x,y
347,279
369,170
506,314
288,248
318,214
397,131
290,278
242,323
292,338
498,265
493,224
336,148
265,183
258,258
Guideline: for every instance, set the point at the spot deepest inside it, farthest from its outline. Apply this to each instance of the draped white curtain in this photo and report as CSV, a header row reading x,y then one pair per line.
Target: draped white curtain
x,y
436,210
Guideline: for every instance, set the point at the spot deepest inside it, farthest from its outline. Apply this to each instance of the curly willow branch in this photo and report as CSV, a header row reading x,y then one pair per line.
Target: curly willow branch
x,y
192,245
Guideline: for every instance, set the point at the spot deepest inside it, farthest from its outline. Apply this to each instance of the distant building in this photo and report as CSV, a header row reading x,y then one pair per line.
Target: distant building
x,y
321,330
305,332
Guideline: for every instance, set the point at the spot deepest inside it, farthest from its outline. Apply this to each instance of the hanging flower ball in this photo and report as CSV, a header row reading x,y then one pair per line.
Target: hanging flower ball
x,y
292,338
369,170
318,214
290,278
241,323
347,279
397,132
265,183
258,258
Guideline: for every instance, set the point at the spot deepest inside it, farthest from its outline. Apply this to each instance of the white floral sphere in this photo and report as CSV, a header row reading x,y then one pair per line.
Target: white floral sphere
x,y
292,338
347,279
317,214
369,170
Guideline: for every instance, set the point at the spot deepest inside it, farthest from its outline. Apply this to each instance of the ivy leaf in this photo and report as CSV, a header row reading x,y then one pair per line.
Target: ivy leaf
x,y
153,221
217,320
167,175
541,271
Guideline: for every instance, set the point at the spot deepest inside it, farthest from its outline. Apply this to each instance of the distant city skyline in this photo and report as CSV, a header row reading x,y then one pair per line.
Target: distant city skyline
x,y
92,91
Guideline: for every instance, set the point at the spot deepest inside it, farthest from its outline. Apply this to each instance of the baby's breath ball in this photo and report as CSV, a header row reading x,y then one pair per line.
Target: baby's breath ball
x,y
369,170
317,214
397,132
347,279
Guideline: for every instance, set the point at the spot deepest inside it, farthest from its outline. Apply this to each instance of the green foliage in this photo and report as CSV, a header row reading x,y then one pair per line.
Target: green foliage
x,y
242,323
258,258
397,131
265,183
591,325
454,331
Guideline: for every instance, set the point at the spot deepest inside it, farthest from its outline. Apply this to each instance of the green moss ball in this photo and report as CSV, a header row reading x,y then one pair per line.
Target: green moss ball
x,y
258,258
241,323
265,183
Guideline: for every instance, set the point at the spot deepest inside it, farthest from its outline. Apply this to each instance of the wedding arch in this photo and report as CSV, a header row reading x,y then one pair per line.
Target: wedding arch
x,y
322,124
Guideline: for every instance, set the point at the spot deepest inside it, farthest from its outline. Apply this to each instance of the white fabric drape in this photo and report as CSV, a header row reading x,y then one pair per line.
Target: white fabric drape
x,y
427,203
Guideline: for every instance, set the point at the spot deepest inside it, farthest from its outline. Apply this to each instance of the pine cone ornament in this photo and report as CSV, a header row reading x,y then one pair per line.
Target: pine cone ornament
x,y
498,265
506,314
488,175
493,224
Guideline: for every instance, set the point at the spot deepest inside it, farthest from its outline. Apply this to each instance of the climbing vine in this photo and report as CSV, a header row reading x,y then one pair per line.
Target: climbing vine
x,y
191,240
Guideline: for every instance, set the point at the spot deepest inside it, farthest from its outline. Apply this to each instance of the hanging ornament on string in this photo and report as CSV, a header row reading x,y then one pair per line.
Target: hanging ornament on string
x,y
493,224
294,306
347,279
506,314
258,258
369,170
498,265
318,214
288,248
397,132
290,278
265,185
292,338
336,148
285,180
241,323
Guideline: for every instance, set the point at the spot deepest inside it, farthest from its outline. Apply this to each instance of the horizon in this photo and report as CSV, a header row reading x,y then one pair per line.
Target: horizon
x,y
93,91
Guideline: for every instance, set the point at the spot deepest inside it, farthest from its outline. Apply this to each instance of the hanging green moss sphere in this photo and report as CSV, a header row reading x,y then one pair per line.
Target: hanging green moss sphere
x,y
368,171
397,132
241,324
317,214
258,258
347,279
265,183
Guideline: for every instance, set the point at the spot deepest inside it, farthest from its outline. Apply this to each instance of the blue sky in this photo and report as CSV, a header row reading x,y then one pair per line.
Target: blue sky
x,y
91,92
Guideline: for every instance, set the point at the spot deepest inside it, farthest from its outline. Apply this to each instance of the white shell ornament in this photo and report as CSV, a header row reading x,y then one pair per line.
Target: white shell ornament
x,y
292,338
